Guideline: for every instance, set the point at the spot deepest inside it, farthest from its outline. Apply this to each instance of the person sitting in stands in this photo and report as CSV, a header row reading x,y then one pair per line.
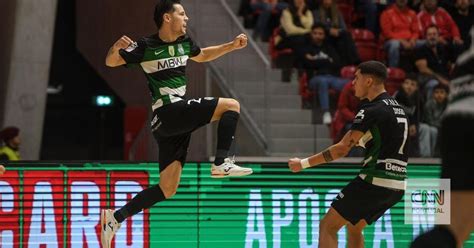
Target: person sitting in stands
x,y
322,63
11,139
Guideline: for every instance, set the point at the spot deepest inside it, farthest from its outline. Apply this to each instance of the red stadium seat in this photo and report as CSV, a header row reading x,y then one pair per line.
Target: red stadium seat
x,y
350,2
347,11
305,92
348,71
274,52
396,76
359,34
307,95
381,54
365,44
367,50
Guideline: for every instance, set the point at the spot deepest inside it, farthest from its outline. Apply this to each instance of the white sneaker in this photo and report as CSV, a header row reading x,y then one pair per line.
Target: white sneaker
x,y
327,119
229,169
109,227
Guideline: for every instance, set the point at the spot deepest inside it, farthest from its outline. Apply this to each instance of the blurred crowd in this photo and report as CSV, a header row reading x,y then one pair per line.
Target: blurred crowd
x,y
321,41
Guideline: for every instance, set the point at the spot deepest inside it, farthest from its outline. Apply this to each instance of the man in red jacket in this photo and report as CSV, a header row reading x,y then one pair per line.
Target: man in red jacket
x,y
433,15
346,111
400,28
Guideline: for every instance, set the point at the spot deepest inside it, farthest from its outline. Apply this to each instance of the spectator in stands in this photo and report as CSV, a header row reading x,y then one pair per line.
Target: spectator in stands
x,y
433,61
410,98
463,16
433,111
371,12
11,139
322,64
400,29
331,17
346,110
435,106
312,4
266,8
296,22
431,14
347,107
418,6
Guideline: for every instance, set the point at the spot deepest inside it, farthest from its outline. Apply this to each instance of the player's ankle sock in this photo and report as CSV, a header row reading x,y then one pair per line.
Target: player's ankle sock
x,y
225,135
143,200
440,237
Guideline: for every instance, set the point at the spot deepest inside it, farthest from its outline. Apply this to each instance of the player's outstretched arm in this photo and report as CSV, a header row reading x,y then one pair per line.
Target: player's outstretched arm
x,y
334,152
113,58
2,170
214,52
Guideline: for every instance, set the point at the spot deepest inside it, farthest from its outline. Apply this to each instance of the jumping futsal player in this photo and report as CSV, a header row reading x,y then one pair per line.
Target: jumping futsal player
x,y
163,57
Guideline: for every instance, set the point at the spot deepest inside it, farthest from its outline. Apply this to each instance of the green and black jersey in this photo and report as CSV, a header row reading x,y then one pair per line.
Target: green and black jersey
x,y
385,128
164,65
461,95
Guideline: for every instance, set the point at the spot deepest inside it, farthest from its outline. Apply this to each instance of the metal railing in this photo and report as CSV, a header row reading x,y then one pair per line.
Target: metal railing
x,y
252,42
243,74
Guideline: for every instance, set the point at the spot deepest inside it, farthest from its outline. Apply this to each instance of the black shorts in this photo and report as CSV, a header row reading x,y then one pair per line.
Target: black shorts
x,y
173,124
457,150
362,200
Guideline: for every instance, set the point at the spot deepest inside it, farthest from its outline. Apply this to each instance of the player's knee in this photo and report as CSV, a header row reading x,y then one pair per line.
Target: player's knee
x,y
169,191
326,226
233,105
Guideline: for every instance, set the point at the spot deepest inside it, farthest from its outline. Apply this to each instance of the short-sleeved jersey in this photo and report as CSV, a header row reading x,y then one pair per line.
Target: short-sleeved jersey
x,y
385,127
437,62
164,65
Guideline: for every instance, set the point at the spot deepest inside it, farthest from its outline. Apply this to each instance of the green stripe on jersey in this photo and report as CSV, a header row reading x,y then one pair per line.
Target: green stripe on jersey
x,y
166,61
161,88
373,152
370,169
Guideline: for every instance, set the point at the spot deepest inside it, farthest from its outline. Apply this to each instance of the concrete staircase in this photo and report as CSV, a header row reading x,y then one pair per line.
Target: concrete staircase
x,y
290,129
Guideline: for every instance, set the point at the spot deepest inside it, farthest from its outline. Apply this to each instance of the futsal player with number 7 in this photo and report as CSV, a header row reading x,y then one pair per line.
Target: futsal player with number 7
x,y
380,126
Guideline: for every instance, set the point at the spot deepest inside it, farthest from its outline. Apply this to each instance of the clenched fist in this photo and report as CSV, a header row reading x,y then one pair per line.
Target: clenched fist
x,y
123,43
240,41
2,170
295,165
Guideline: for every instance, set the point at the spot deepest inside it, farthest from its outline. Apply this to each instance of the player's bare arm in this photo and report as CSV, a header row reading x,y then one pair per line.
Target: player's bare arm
x,y
113,58
214,52
334,152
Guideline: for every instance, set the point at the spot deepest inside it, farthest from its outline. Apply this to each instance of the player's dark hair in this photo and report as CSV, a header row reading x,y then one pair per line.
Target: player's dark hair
x,y
374,68
318,25
412,76
441,86
162,7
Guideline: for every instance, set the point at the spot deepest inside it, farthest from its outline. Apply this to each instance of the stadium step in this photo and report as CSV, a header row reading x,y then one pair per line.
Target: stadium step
x,y
322,131
292,130
288,145
291,146
274,101
285,116
255,73
271,88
